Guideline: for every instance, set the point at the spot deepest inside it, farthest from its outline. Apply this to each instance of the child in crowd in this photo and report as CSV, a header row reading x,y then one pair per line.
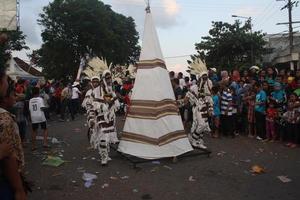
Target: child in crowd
x,y
227,111
292,117
278,96
250,99
36,108
216,112
19,109
260,110
271,114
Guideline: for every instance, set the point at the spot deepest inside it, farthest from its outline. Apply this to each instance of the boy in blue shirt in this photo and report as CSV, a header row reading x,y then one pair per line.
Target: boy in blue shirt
x,y
260,111
216,112
278,96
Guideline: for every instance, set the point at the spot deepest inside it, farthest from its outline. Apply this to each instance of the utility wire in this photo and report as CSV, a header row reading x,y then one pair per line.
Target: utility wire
x,y
269,16
266,11
178,56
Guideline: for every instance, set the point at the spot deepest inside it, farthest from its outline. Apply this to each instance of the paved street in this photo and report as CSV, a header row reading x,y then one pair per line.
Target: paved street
x,y
225,175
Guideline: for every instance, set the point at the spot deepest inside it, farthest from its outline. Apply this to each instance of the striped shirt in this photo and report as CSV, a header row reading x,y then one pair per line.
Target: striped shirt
x,y
226,103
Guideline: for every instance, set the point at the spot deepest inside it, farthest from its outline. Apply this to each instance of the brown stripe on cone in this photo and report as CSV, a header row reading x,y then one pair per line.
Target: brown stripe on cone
x,y
150,64
152,103
152,110
166,139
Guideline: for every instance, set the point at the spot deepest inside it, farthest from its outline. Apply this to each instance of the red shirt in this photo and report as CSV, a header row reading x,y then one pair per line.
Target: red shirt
x,y
19,89
271,113
57,93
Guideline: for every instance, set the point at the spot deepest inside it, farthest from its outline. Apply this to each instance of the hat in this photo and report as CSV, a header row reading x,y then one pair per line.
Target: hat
x,y
276,84
254,67
106,72
213,69
95,77
75,84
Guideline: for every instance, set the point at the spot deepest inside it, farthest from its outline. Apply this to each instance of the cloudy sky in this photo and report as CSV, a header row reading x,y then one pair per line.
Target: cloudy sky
x,y
180,23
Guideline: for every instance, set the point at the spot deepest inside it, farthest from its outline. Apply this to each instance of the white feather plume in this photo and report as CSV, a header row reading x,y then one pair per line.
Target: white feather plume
x,y
132,71
198,67
95,67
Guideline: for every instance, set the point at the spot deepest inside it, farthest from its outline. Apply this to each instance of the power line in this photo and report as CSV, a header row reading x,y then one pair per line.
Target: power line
x,y
178,56
266,19
266,10
196,6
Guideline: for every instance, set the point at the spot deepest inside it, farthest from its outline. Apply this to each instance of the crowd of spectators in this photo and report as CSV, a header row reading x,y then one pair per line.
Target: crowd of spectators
x,y
262,103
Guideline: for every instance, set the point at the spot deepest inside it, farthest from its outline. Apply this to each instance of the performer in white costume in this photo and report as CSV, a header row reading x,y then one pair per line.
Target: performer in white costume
x,y
88,104
199,97
101,104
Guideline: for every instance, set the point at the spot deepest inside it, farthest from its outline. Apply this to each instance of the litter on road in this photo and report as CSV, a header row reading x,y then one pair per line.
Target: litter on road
x,y
113,178
221,153
191,179
156,162
167,167
135,190
55,141
89,177
124,177
256,169
284,179
246,161
53,161
57,174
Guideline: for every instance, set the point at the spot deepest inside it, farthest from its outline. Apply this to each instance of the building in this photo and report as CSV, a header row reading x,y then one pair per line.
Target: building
x,y
279,51
18,69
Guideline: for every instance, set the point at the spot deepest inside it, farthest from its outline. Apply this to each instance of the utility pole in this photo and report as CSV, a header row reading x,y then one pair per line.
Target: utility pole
x,y
289,6
291,37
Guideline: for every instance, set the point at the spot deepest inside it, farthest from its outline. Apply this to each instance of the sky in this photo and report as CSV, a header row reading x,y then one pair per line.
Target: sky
x,y
180,23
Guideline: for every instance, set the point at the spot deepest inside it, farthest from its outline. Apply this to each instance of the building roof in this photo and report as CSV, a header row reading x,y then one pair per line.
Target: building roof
x,y
281,35
27,68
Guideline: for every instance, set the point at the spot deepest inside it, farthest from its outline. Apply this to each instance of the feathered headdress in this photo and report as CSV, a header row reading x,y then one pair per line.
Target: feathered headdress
x,y
132,71
95,67
118,72
197,67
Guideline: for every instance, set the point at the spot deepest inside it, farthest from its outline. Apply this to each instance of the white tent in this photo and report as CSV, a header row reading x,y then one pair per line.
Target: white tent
x,y
153,128
18,69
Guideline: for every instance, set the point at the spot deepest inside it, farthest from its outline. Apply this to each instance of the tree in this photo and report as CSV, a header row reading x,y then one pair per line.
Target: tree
x,y
73,28
11,41
228,46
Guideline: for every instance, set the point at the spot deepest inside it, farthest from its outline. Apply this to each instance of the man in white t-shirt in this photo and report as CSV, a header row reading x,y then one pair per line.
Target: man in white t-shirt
x,y
75,101
36,108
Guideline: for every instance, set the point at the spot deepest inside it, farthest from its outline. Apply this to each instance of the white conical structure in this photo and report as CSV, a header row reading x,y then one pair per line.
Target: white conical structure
x,y
153,128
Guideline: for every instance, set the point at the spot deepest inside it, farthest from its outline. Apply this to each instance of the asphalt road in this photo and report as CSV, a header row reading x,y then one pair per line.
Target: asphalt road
x,y
224,176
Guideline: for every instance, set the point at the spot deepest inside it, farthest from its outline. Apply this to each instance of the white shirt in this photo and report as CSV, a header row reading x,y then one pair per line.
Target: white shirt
x,y
75,93
35,107
46,100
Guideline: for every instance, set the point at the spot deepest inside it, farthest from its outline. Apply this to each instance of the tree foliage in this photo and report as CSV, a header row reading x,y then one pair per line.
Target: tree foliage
x,y
73,28
228,46
14,41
